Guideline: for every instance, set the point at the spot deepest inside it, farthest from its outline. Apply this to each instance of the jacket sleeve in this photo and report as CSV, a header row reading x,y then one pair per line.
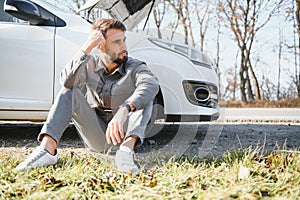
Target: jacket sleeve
x,y
146,89
74,73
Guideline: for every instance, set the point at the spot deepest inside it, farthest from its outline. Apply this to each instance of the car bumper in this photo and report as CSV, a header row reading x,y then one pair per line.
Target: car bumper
x,y
192,118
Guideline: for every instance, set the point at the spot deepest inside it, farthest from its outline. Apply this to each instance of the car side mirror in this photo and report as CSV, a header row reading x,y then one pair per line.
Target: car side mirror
x,y
25,10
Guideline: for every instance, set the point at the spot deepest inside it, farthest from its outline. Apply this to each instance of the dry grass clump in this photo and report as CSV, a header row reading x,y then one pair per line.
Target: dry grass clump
x,y
237,175
288,103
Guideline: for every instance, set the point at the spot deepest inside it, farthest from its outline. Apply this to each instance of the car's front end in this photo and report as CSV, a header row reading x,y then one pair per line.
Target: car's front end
x,y
188,80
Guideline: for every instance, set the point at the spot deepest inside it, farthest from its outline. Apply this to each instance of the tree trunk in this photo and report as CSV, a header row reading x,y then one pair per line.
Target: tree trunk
x,y
243,79
279,65
254,80
217,62
249,86
297,14
247,69
242,87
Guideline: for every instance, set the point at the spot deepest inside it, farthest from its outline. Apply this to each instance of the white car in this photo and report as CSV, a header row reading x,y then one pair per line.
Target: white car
x,y
37,39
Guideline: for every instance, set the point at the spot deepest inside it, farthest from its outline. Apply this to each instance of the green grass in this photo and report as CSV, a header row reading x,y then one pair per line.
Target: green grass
x,y
275,175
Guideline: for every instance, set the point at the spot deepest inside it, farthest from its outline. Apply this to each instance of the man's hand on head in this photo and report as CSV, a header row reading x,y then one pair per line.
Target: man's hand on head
x,y
114,131
96,39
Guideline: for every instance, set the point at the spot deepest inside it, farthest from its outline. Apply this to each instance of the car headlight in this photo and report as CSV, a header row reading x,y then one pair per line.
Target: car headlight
x,y
201,93
194,55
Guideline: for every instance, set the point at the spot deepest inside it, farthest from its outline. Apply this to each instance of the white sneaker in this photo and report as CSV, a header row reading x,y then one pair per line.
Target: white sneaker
x,y
40,157
125,162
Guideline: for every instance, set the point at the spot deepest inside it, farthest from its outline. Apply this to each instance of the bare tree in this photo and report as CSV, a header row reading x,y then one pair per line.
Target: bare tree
x,y
178,7
279,62
187,10
245,19
230,88
173,26
218,59
189,22
297,73
159,14
203,18
183,10
268,89
292,13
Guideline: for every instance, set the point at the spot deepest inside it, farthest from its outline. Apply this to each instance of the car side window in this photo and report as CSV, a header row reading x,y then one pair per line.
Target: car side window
x,y
4,17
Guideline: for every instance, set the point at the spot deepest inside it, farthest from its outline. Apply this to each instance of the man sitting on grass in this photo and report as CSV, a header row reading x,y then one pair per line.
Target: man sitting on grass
x,y
102,94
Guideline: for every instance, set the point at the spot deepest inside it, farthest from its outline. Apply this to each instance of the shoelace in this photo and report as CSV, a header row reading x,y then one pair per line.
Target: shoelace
x,y
130,160
35,155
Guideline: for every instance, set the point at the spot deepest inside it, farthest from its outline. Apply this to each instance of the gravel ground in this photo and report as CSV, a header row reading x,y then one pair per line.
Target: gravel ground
x,y
210,140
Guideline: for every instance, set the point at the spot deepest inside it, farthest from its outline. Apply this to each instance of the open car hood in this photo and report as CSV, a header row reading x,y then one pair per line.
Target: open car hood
x,y
130,12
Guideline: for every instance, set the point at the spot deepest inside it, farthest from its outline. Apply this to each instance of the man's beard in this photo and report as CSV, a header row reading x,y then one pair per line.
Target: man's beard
x,y
118,60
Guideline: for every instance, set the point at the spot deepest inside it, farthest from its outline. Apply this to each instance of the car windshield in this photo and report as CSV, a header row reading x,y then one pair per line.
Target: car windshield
x,y
63,5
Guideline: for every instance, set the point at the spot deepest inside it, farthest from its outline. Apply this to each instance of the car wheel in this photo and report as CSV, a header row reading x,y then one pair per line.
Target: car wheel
x,y
157,114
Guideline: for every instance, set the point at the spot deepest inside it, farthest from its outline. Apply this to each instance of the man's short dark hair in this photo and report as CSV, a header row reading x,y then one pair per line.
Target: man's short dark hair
x,y
104,24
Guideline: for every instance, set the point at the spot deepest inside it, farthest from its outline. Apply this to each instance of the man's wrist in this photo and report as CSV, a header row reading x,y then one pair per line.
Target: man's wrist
x,y
132,106
83,56
86,51
127,106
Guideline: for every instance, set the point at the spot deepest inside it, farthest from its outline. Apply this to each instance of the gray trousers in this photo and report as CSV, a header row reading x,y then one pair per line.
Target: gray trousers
x,y
71,104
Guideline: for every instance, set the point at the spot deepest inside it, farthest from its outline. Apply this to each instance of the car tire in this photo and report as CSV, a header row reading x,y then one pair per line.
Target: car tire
x,y
157,113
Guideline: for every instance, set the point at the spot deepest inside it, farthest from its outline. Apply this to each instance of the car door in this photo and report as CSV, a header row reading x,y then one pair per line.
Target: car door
x,y
26,64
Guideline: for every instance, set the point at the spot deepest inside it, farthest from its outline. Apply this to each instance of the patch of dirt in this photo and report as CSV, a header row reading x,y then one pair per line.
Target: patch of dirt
x,y
210,140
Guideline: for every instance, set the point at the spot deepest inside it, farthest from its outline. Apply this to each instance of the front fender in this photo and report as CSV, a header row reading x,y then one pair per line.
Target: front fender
x,y
171,70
